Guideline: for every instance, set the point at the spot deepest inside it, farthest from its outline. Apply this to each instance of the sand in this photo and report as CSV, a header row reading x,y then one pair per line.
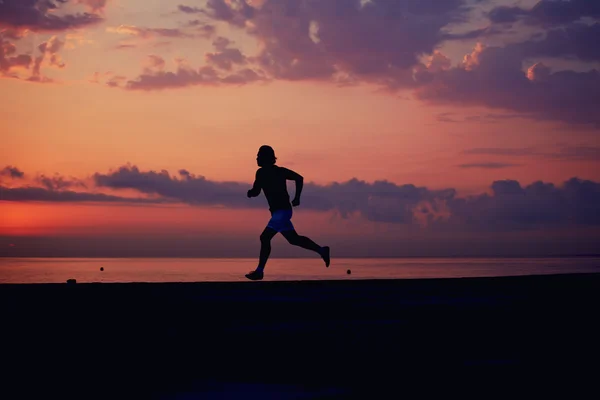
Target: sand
x,y
506,336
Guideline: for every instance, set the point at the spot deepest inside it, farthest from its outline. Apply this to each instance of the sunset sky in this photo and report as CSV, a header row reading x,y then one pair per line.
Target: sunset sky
x,y
421,127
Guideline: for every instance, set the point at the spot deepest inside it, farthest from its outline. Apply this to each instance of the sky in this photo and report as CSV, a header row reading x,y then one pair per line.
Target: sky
x,y
421,128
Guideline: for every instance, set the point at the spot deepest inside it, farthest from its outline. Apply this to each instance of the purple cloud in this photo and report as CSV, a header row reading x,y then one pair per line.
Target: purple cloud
x,y
563,152
493,77
188,9
43,194
489,165
12,172
579,153
94,5
501,151
381,42
225,57
539,204
40,15
187,188
379,201
205,30
49,55
58,182
155,77
125,46
9,60
377,41
574,41
547,12
149,32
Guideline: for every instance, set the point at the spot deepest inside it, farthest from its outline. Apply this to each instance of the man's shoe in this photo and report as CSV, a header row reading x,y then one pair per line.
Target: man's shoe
x,y
255,275
325,255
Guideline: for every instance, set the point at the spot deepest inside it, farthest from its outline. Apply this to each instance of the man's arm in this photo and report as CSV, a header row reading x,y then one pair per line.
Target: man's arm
x,y
294,176
255,191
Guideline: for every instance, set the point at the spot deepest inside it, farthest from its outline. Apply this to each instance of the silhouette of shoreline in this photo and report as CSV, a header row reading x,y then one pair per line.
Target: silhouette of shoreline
x,y
378,338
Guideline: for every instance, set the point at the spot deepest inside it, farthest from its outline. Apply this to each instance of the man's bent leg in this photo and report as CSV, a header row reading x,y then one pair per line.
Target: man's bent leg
x,y
306,243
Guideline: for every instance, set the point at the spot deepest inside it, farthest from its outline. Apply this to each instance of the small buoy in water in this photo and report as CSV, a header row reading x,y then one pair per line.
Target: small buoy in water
x,y
101,268
348,272
71,281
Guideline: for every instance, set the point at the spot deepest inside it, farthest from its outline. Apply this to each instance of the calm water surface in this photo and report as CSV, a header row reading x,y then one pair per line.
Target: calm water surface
x,y
58,270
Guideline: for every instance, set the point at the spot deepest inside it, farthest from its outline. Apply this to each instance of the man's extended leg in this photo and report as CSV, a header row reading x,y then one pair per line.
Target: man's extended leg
x,y
265,246
304,242
265,251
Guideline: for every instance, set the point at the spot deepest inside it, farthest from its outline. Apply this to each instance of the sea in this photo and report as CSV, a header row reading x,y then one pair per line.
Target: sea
x,y
123,270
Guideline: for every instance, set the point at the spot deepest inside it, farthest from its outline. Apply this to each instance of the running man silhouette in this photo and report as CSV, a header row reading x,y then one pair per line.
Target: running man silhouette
x,y
271,179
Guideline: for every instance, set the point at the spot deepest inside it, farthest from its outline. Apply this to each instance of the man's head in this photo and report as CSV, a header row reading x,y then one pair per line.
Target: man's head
x,y
266,156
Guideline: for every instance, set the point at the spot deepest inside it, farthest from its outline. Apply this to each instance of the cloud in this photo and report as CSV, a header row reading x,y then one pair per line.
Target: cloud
x,y
445,117
41,15
509,206
225,57
123,46
575,40
110,78
489,165
501,151
562,152
44,194
161,44
195,22
491,118
9,60
182,77
155,77
377,41
337,41
116,80
494,77
379,201
383,41
186,188
49,50
488,118
188,9
237,14
546,12
475,33
11,63
395,44
94,5
58,182
149,32
13,34
204,30
192,29
12,172
587,153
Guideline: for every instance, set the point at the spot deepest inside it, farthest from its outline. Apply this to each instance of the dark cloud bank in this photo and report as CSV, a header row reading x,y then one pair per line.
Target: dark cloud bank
x,y
510,205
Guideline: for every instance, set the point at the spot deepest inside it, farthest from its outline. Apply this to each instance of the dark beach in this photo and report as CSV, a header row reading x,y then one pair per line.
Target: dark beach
x,y
507,336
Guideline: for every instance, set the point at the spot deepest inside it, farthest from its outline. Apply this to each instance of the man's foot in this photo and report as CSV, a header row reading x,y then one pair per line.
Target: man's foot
x,y
255,275
325,255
